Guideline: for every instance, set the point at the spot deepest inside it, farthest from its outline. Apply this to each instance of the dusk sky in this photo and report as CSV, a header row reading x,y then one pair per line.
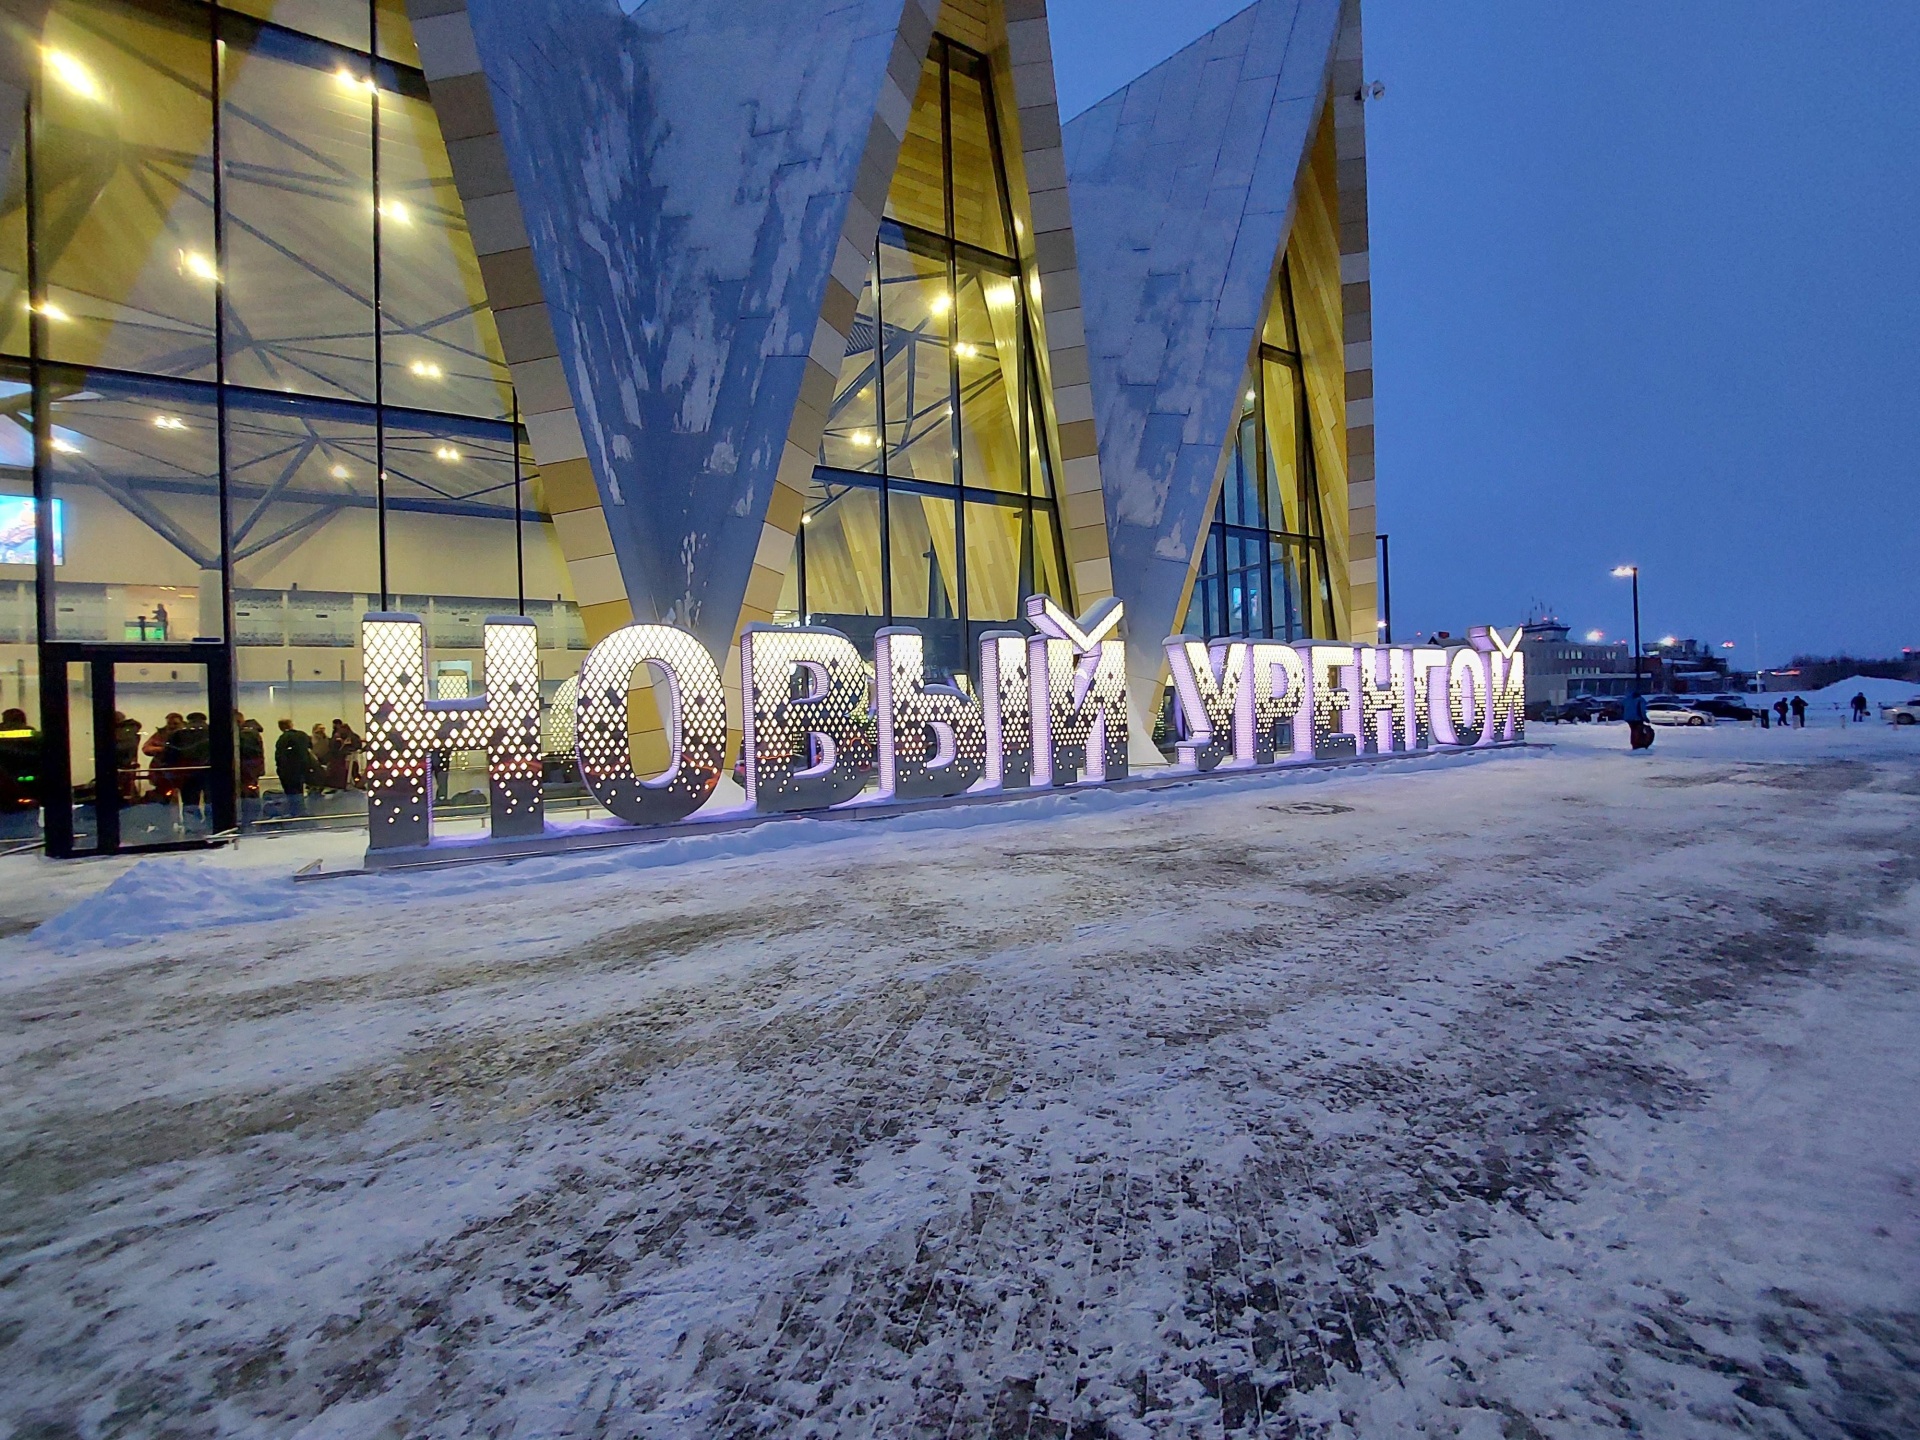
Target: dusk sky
x,y
1645,290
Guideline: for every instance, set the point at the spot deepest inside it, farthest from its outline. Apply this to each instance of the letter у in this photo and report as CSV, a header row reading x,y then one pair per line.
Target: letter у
x,y
809,750
694,708
405,729
932,737
1209,681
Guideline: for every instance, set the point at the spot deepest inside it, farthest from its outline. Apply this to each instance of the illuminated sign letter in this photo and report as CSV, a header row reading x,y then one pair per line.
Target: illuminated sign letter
x,y
1007,698
1277,697
806,741
1386,710
1078,678
1507,710
1430,723
1336,708
1209,682
694,707
1468,697
933,738
405,729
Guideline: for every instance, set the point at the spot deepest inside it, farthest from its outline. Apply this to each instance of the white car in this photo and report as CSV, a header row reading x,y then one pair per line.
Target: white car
x,y
1907,714
1668,713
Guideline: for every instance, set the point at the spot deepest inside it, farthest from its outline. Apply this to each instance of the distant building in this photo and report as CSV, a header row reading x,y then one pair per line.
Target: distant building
x,y
1686,667
1558,669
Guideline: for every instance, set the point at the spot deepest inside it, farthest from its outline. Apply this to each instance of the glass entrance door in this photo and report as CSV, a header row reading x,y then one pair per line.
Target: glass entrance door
x,y
140,746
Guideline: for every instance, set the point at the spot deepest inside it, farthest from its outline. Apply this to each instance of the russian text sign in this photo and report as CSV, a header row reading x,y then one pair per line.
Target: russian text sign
x,y
820,723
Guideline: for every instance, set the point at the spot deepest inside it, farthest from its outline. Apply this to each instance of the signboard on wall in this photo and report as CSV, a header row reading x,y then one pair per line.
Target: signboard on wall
x,y
18,538
824,726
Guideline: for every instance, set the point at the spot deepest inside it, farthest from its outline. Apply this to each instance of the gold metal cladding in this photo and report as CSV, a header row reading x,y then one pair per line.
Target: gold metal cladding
x,y
1209,681
1386,702
1277,696
933,738
1007,698
1468,697
807,737
694,708
1507,710
1336,712
1077,674
405,729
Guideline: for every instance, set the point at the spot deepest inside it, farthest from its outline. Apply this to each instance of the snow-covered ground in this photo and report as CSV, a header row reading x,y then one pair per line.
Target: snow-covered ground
x,y
1540,1094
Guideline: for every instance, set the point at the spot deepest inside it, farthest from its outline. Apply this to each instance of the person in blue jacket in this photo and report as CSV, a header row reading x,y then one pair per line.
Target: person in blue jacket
x,y
1639,728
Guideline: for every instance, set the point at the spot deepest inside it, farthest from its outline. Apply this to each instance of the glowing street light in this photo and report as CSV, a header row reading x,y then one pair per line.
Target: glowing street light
x,y
1594,637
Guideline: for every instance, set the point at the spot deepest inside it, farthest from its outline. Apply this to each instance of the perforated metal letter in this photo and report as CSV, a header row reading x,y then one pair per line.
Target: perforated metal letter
x,y
1431,725
1078,678
933,738
1507,710
693,706
405,729
1007,698
1209,681
1386,706
1277,697
809,744
1336,708
1468,697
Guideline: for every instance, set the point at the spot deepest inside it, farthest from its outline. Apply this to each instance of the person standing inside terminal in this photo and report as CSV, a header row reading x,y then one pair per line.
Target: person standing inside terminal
x,y
293,762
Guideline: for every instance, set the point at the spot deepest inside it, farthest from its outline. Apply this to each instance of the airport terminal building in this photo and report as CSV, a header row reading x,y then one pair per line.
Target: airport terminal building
x,y
700,312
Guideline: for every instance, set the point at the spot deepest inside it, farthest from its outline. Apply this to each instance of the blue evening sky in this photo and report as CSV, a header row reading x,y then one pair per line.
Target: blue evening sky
x,y
1644,287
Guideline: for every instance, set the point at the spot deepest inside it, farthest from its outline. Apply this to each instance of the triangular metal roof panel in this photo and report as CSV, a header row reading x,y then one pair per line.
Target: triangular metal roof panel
x,y
1182,189
685,169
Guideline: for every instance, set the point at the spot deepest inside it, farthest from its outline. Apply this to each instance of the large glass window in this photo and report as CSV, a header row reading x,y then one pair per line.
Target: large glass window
x,y
257,297
933,502
1263,570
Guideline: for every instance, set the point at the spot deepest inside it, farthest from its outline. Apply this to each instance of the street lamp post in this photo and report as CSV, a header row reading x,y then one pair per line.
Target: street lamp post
x,y
1634,572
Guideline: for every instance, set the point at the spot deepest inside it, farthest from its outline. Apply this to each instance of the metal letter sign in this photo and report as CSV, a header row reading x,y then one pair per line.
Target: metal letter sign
x,y
1209,682
806,740
1078,677
695,712
406,730
933,739
820,727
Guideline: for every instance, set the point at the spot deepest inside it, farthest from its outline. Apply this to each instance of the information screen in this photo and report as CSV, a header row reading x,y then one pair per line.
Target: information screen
x,y
16,531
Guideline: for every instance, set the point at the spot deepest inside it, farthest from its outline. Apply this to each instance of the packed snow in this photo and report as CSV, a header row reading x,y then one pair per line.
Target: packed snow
x,y
1535,1094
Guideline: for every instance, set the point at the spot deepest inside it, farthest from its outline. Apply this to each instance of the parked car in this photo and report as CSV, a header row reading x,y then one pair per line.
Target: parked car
x,y
1667,710
1725,707
1906,714
1583,708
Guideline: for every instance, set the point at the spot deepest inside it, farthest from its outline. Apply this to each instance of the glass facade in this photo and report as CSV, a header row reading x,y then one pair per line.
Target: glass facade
x,y
240,306
1263,570
933,501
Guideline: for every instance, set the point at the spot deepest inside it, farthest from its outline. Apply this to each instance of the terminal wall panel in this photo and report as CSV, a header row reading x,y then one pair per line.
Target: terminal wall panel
x,y
684,173
1182,188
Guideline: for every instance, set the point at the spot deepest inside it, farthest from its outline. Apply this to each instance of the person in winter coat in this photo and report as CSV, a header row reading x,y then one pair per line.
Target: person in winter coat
x,y
293,763
1859,707
1799,713
1639,728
